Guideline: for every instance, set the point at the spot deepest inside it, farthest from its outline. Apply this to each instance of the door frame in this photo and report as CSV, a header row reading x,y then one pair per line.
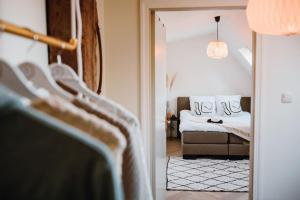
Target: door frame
x,y
146,80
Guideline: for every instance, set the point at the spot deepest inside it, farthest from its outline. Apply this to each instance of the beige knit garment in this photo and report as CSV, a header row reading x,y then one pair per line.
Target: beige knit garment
x,y
135,181
118,112
88,123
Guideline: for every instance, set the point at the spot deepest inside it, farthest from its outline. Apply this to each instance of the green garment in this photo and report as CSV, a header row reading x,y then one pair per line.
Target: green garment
x,y
42,158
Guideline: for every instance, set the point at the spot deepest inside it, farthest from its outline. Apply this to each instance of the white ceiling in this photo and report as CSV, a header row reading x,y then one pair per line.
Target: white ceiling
x,y
185,24
233,28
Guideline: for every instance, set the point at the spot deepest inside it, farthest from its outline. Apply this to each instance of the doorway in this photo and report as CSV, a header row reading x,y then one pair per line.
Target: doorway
x,y
187,61
147,103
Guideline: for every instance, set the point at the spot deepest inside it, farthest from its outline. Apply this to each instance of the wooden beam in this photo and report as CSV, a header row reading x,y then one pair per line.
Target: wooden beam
x,y
59,25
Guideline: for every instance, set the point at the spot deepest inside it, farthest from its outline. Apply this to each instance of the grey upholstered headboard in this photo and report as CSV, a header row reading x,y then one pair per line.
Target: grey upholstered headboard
x,y
183,103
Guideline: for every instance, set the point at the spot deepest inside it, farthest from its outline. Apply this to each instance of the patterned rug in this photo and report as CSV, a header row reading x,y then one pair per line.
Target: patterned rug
x,y
207,175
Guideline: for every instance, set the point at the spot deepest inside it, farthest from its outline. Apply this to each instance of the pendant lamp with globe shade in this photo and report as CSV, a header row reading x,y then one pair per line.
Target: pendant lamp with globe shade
x,y
217,49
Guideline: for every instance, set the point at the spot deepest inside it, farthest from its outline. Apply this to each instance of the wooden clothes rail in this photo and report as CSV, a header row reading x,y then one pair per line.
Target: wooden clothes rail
x,y
27,33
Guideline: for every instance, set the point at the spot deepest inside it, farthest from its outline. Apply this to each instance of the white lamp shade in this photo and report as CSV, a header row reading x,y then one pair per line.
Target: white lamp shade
x,y
217,49
274,17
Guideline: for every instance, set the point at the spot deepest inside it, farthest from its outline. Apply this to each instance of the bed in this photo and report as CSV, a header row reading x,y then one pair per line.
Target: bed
x,y
214,140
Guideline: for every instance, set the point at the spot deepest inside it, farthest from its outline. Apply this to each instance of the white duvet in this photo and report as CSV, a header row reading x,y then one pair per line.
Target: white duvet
x,y
189,122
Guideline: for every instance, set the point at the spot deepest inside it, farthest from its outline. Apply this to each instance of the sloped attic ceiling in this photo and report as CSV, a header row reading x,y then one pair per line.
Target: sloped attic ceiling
x,y
233,29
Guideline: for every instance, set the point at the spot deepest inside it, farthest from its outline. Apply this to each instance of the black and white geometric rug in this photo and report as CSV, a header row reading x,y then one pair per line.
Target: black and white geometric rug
x,y
207,175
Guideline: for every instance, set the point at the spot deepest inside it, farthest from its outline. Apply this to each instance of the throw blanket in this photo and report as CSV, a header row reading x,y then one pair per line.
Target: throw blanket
x,y
239,130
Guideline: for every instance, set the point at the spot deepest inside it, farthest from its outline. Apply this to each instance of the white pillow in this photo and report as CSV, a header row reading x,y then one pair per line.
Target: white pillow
x,y
204,106
229,105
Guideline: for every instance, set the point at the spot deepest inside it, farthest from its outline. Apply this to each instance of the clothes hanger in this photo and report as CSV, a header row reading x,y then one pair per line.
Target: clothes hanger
x,y
63,73
16,78
42,78
67,76
13,79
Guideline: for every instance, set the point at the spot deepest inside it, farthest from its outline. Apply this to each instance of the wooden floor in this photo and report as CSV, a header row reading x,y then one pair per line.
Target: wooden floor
x,y
174,149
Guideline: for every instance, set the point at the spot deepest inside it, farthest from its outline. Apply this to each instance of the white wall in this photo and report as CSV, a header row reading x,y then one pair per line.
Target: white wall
x,y
279,134
199,75
30,14
159,114
122,45
279,172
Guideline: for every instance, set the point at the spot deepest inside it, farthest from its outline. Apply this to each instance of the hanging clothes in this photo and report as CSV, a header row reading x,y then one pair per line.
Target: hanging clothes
x,y
43,159
78,118
135,181
119,112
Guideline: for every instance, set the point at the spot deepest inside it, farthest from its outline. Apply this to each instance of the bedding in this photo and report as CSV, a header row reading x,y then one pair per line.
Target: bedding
x,y
239,125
